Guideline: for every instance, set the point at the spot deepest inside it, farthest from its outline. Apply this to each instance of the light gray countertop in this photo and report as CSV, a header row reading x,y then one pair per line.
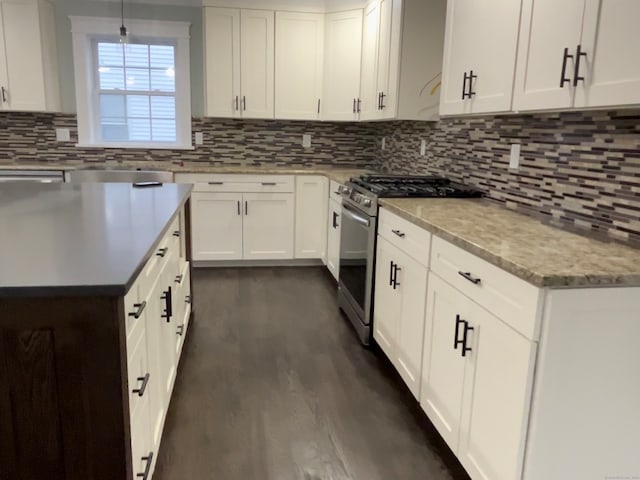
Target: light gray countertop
x,y
541,254
80,239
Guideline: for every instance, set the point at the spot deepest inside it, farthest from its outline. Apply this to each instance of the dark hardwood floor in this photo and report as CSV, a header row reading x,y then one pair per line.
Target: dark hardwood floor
x,y
274,385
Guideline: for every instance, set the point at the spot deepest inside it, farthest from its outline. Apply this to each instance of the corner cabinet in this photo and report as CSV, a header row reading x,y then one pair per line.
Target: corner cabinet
x,y
334,229
479,56
28,57
239,62
570,54
298,66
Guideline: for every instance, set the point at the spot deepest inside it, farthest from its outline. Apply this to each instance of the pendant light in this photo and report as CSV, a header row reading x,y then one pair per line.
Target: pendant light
x,y
123,29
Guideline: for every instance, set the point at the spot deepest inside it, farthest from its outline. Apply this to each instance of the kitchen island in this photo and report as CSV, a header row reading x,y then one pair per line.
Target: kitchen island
x,y
95,298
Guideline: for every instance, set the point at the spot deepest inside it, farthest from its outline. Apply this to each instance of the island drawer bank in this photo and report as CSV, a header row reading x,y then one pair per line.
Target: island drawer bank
x,y
89,350
523,381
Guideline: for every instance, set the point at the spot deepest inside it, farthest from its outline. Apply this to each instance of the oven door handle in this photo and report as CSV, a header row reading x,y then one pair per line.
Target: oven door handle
x,y
354,216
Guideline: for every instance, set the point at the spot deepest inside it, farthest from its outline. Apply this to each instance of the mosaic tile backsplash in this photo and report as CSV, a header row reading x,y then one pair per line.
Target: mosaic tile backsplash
x,y
578,167
28,138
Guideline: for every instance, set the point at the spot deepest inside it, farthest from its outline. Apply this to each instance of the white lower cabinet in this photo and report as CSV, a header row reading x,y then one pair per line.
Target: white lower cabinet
x,y
477,376
216,226
268,226
311,212
157,309
398,322
333,237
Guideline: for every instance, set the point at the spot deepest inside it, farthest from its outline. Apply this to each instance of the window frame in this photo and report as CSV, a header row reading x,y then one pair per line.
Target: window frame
x,y
86,32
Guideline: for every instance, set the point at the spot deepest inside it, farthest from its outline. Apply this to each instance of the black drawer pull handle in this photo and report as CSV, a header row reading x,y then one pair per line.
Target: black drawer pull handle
x,y
180,330
140,308
464,86
168,309
399,233
269,184
391,273
143,387
467,328
335,220
162,252
215,183
176,233
147,468
576,72
179,278
563,78
187,299
471,278
396,269
456,342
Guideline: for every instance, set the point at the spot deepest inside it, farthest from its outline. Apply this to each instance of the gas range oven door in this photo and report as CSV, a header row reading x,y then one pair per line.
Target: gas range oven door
x,y
357,250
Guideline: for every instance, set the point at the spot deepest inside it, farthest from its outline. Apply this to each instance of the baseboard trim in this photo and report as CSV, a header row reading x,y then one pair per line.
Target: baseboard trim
x,y
302,262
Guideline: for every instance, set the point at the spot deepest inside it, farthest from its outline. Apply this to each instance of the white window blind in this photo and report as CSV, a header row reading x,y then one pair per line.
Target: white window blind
x,y
136,92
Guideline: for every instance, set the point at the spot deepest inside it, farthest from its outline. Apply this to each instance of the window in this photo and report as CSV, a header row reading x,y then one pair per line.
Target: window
x,y
134,94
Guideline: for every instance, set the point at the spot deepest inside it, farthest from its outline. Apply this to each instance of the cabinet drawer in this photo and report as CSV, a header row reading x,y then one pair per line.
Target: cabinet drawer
x,y
238,183
508,297
134,315
410,238
138,375
334,193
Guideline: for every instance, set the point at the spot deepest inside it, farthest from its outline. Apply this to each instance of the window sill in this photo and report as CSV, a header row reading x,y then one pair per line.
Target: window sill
x,y
139,146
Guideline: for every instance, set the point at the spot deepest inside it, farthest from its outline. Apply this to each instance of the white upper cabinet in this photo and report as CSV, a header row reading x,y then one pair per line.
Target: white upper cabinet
x,y
549,35
578,53
611,65
222,51
369,106
479,56
257,63
239,55
28,57
342,52
299,59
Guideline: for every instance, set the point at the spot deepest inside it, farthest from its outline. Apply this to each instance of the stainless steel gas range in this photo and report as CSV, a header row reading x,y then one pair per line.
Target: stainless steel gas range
x,y
358,238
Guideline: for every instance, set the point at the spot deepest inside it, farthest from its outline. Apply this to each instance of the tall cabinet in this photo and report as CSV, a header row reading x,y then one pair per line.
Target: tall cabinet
x,y
28,58
239,62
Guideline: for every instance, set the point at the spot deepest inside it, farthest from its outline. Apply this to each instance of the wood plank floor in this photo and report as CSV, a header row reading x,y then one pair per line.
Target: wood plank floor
x,y
275,386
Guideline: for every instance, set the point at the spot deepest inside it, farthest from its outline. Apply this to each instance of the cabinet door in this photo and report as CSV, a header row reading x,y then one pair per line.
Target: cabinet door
x,y
333,238
299,57
216,226
547,28
481,38
388,65
154,339
4,78
222,59
368,77
342,51
268,226
443,366
388,299
611,41
257,63
412,283
168,309
497,396
141,448
25,83
311,222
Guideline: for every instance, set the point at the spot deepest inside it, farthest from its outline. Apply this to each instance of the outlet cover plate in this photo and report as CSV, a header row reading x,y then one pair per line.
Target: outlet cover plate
x,y
514,157
306,140
63,135
199,138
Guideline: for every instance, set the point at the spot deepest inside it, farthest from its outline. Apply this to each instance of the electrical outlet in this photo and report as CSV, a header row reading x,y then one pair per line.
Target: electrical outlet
x,y
63,135
423,148
514,158
306,140
199,138
383,144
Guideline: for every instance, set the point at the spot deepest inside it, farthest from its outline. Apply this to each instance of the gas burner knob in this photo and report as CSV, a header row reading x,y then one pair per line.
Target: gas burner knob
x,y
357,198
366,202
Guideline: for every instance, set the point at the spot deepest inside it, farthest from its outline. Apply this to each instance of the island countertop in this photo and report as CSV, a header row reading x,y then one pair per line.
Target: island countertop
x,y
80,239
541,254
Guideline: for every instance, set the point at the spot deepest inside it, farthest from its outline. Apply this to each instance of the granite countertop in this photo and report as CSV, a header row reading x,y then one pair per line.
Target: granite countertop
x,y
541,254
80,239
338,174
